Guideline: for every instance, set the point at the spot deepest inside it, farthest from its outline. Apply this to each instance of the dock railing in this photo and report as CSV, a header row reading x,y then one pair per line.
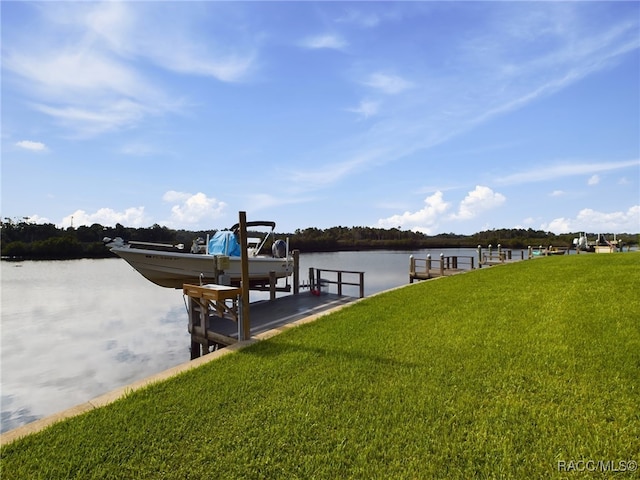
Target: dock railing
x,y
317,282
492,256
425,268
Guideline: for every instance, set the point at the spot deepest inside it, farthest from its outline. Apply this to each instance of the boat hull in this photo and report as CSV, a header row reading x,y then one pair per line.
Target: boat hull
x,y
173,270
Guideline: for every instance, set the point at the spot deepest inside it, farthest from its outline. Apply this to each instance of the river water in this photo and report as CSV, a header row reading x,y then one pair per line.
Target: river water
x,y
72,330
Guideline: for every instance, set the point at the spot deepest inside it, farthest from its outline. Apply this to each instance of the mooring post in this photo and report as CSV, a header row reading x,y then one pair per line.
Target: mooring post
x,y
272,285
361,284
194,321
340,283
311,279
204,322
479,256
296,272
412,268
442,264
245,332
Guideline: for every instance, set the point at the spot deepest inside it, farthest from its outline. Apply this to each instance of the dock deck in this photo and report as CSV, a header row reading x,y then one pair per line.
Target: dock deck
x,y
215,318
266,314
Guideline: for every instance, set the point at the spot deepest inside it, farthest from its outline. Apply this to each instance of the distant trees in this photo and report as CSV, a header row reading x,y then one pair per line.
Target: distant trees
x,y
46,241
22,239
356,238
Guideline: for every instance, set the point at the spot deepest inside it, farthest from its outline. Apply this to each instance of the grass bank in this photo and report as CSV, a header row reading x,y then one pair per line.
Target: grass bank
x,y
500,373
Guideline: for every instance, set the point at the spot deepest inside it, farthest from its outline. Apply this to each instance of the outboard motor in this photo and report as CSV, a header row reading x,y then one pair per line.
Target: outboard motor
x,y
116,242
279,249
198,245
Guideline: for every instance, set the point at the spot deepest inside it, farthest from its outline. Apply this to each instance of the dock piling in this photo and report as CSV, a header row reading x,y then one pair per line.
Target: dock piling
x,y
296,272
443,266
244,283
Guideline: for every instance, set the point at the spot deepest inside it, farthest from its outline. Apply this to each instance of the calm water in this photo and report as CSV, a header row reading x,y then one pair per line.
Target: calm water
x,y
73,330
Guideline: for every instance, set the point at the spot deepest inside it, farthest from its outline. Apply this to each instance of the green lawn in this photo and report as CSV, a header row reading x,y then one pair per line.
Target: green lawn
x,y
499,373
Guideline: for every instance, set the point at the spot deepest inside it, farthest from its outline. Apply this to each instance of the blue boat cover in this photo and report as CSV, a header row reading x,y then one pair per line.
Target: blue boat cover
x,y
224,242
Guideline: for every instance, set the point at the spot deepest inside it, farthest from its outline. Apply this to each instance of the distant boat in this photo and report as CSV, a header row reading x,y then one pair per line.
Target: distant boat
x,y
218,260
600,245
603,245
544,252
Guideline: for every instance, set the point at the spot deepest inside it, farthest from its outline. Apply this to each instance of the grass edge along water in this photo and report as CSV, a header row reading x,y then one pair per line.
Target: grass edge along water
x,y
505,372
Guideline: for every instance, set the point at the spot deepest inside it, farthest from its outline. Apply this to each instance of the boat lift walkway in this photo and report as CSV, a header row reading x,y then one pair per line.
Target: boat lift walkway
x,y
215,313
221,315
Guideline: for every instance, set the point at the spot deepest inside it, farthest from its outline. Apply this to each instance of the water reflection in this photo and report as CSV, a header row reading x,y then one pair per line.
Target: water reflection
x,y
74,330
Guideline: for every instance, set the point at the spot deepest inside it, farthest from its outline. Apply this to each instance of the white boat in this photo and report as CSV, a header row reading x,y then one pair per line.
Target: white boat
x,y
218,260
545,252
601,245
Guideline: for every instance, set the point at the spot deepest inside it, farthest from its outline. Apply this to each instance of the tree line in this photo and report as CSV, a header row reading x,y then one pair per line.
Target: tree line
x,y
26,240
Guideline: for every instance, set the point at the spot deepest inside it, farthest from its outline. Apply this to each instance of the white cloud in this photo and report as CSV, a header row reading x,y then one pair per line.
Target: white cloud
x,y
557,193
593,180
32,146
360,18
37,219
306,178
167,36
558,225
477,201
86,91
445,106
131,217
192,208
75,72
173,196
261,201
424,220
86,66
589,220
389,84
139,150
99,118
551,172
330,41
366,109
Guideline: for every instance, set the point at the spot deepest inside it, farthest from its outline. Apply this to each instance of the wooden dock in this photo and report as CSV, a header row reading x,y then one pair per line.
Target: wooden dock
x,y
215,314
219,317
427,268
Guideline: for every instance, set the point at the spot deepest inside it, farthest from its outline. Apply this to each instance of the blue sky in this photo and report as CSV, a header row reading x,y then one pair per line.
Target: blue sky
x,y
430,116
